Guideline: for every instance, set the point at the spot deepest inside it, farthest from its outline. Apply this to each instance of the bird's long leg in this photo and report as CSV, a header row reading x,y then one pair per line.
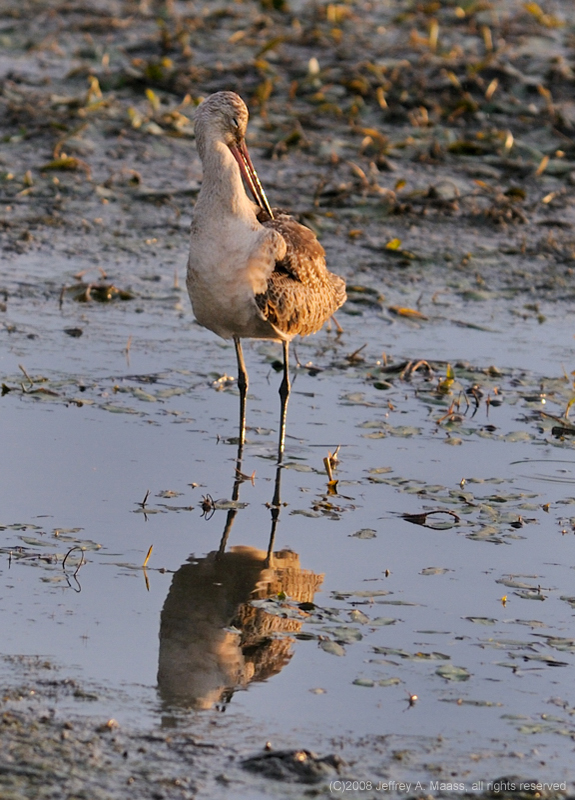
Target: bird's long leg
x,y
284,396
238,480
243,384
275,508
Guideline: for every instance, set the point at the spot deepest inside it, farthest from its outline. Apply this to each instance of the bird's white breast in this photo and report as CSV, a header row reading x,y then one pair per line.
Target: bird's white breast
x,y
230,262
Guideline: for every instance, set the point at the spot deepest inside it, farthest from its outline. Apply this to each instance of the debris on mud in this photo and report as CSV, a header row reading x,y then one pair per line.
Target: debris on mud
x,y
302,766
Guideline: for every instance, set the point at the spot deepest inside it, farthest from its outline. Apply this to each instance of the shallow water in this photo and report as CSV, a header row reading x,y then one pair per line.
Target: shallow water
x,y
441,563
395,600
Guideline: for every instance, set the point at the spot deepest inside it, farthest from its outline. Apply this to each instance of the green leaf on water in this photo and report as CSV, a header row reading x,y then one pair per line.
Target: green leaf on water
x,y
366,682
364,533
120,409
164,394
33,542
404,431
355,399
59,531
358,616
433,656
539,727
488,533
305,513
461,701
391,651
85,544
345,635
333,648
389,682
20,526
560,643
531,623
518,436
140,394
452,673
533,595
397,603
435,571
507,644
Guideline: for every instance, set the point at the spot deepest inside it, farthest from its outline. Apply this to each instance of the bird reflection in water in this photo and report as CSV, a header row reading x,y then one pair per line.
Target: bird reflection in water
x,y
213,641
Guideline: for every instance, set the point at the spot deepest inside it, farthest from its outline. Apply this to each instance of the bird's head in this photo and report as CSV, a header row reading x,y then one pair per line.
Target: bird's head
x,y
223,117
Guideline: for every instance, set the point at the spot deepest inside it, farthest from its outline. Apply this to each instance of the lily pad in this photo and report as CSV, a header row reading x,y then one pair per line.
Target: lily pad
x,y
364,533
358,616
452,673
435,571
345,635
333,648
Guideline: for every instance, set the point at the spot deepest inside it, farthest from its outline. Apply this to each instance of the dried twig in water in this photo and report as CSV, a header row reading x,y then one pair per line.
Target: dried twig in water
x,y
148,556
354,357
21,368
338,327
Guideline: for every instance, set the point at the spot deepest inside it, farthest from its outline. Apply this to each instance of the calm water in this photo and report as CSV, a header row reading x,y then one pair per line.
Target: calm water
x,y
394,600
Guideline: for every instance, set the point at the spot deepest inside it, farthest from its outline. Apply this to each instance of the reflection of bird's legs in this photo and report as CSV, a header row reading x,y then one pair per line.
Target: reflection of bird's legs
x,y
243,383
284,396
275,508
235,497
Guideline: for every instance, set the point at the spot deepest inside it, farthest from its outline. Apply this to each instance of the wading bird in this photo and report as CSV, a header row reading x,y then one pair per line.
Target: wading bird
x,y
253,272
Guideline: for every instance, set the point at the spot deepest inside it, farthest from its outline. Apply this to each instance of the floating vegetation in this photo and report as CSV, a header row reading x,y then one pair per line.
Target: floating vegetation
x,y
449,672
100,292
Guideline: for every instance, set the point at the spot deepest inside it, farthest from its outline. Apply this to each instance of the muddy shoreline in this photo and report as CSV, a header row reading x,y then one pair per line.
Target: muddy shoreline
x,y
52,747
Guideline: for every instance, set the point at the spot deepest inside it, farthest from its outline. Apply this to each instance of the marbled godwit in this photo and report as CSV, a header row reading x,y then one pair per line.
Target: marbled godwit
x,y
252,272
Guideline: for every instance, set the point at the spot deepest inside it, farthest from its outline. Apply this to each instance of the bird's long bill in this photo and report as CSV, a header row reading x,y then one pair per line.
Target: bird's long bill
x,y
249,174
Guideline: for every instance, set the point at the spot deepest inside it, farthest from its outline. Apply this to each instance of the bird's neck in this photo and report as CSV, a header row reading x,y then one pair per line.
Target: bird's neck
x,y
222,187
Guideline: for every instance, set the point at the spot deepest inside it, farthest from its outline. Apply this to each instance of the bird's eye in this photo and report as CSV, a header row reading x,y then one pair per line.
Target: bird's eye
x,y
235,123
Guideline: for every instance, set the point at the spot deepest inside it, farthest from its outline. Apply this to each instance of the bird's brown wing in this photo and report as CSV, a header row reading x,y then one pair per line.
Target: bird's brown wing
x,y
301,293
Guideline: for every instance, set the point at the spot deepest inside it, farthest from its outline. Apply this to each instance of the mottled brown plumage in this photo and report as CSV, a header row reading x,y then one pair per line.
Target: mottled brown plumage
x,y
301,292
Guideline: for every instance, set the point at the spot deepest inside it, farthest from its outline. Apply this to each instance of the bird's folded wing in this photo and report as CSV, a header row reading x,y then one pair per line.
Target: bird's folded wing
x,y
301,293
